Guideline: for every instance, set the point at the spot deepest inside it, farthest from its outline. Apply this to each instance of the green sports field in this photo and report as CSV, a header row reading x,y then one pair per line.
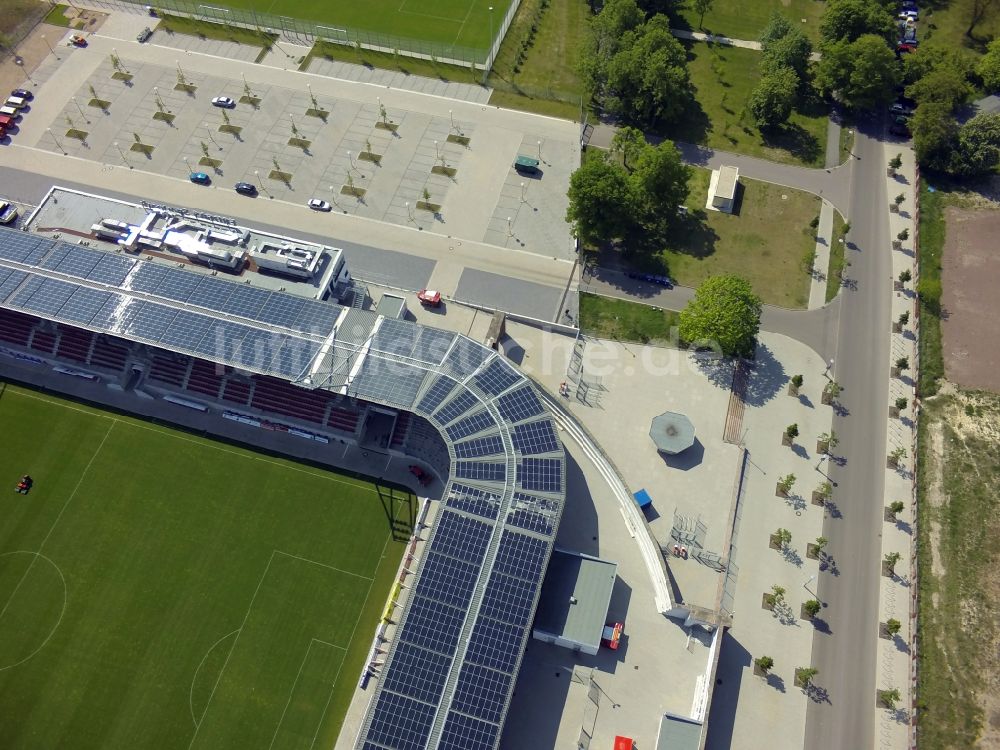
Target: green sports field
x,y
161,590
461,23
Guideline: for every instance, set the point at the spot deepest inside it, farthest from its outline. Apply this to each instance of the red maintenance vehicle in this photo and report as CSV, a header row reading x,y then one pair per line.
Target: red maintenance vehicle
x,y
24,485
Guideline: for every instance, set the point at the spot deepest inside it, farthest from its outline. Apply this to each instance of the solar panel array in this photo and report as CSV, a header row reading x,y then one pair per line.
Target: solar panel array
x,y
453,660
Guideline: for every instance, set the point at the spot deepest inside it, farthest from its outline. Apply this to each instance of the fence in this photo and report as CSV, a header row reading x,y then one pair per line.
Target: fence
x,y
297,30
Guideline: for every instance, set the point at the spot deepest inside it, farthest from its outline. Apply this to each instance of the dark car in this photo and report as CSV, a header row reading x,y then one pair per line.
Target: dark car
x,y
23,94
246,188
900,126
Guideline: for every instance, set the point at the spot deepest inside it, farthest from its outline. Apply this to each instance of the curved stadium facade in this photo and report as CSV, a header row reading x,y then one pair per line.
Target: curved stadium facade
x,y
462,409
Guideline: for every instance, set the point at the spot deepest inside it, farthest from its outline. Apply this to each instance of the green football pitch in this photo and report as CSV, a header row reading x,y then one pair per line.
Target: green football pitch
x,y
461,23
162,590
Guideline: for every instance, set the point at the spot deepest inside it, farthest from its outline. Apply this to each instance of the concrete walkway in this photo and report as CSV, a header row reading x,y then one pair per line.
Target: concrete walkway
x,y
821,264
698,36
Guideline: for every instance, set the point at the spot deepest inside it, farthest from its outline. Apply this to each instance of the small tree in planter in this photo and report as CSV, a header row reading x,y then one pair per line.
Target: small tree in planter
x,y
830,392
895,457
892,627
897,406
894,163
804,676
904,276
900,365
810,609
794,384
822,493
889,698
774,598
762,665
815,549
791,432
892,509
889,563
896,203
827,441
785,485
780,539
904,318
897,244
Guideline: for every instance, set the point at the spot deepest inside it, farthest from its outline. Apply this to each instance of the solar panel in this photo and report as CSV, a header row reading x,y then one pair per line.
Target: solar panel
x,y
111,270
150,321
494,644
432,345
467,733
461,537
436,394
417,673
151,278
496,378
521,555
447,580
186,330
211,293
481,692
465,357
519,404
21,247
485,471
470,425
245,302
539,514
432,625
258,349
509,599
27,290
318,317
49,297
400,722
473,500
386,381
83,305
455,408
12,281
72,261
491,445
294,356
222,340
535,437
281,310
541,474
116,313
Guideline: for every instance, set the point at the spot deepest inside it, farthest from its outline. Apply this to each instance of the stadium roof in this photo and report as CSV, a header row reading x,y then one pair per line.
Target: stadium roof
x,y
450,671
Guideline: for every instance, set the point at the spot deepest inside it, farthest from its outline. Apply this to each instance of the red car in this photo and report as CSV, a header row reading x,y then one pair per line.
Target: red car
x,y
612,635
77,41
429,297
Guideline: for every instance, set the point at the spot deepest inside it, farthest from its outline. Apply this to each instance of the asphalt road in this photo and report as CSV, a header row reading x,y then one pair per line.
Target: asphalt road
x,y
846,658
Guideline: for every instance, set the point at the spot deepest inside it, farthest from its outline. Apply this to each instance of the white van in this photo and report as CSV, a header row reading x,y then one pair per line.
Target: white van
x,y
16,102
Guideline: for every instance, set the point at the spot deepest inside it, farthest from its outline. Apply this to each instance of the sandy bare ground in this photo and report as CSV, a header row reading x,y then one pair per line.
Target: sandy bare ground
x,y
971,298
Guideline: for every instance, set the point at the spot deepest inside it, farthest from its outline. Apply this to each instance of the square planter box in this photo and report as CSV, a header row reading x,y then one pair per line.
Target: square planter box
x,y
818,498
793,391
888,515
786,439
812,551
897,327
888,570
767,602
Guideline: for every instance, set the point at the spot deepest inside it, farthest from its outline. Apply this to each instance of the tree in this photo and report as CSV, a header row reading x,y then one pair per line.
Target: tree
x,y
891,558
764,663
724,311
792,50
896,162
863,72
903,363
904,317
821,542
812,607
804,675
777,594
942,84
606,31
989,66
660,185
889,697
786,483
702,7
600,202
847,20
978,10
896,507
777,27
901,403
792,431
892,626
629,142
770,104
783,537
978,151
797,381
932,57
935,134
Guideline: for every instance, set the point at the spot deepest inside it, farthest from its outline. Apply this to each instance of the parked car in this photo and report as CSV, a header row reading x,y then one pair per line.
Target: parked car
x,y
223,101
23,94
144,35
12,112
246,188
908,14
612,635
318,205
77,41
8,212
905,47
652,278
899,108
429,297
16,102
200,178
900,126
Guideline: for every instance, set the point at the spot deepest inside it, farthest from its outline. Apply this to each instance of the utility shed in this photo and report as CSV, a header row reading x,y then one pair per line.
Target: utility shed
x,y
574,602
722,189
678,733
391,306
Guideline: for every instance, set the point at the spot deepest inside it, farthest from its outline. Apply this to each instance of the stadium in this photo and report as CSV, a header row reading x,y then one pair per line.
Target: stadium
x,y
315,378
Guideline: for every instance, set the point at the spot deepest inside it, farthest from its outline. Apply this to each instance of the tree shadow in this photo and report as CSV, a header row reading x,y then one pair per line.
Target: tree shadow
x,y
817,694
795,502
792,556
804,400
766,379
800,450
901,644
833,509
904,527
821,625
794,139
776,682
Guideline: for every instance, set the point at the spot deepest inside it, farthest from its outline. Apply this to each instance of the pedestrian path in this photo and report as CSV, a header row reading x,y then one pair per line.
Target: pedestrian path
x,y
821,263
698,36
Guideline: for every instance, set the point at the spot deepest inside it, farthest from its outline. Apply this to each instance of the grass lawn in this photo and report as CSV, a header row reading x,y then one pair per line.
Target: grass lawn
x,y
388,61
57,16
943,23
958,548
836,268
621,320
765,243
723,78
932,236
207,30
168,591
545,81
441,23
741,20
